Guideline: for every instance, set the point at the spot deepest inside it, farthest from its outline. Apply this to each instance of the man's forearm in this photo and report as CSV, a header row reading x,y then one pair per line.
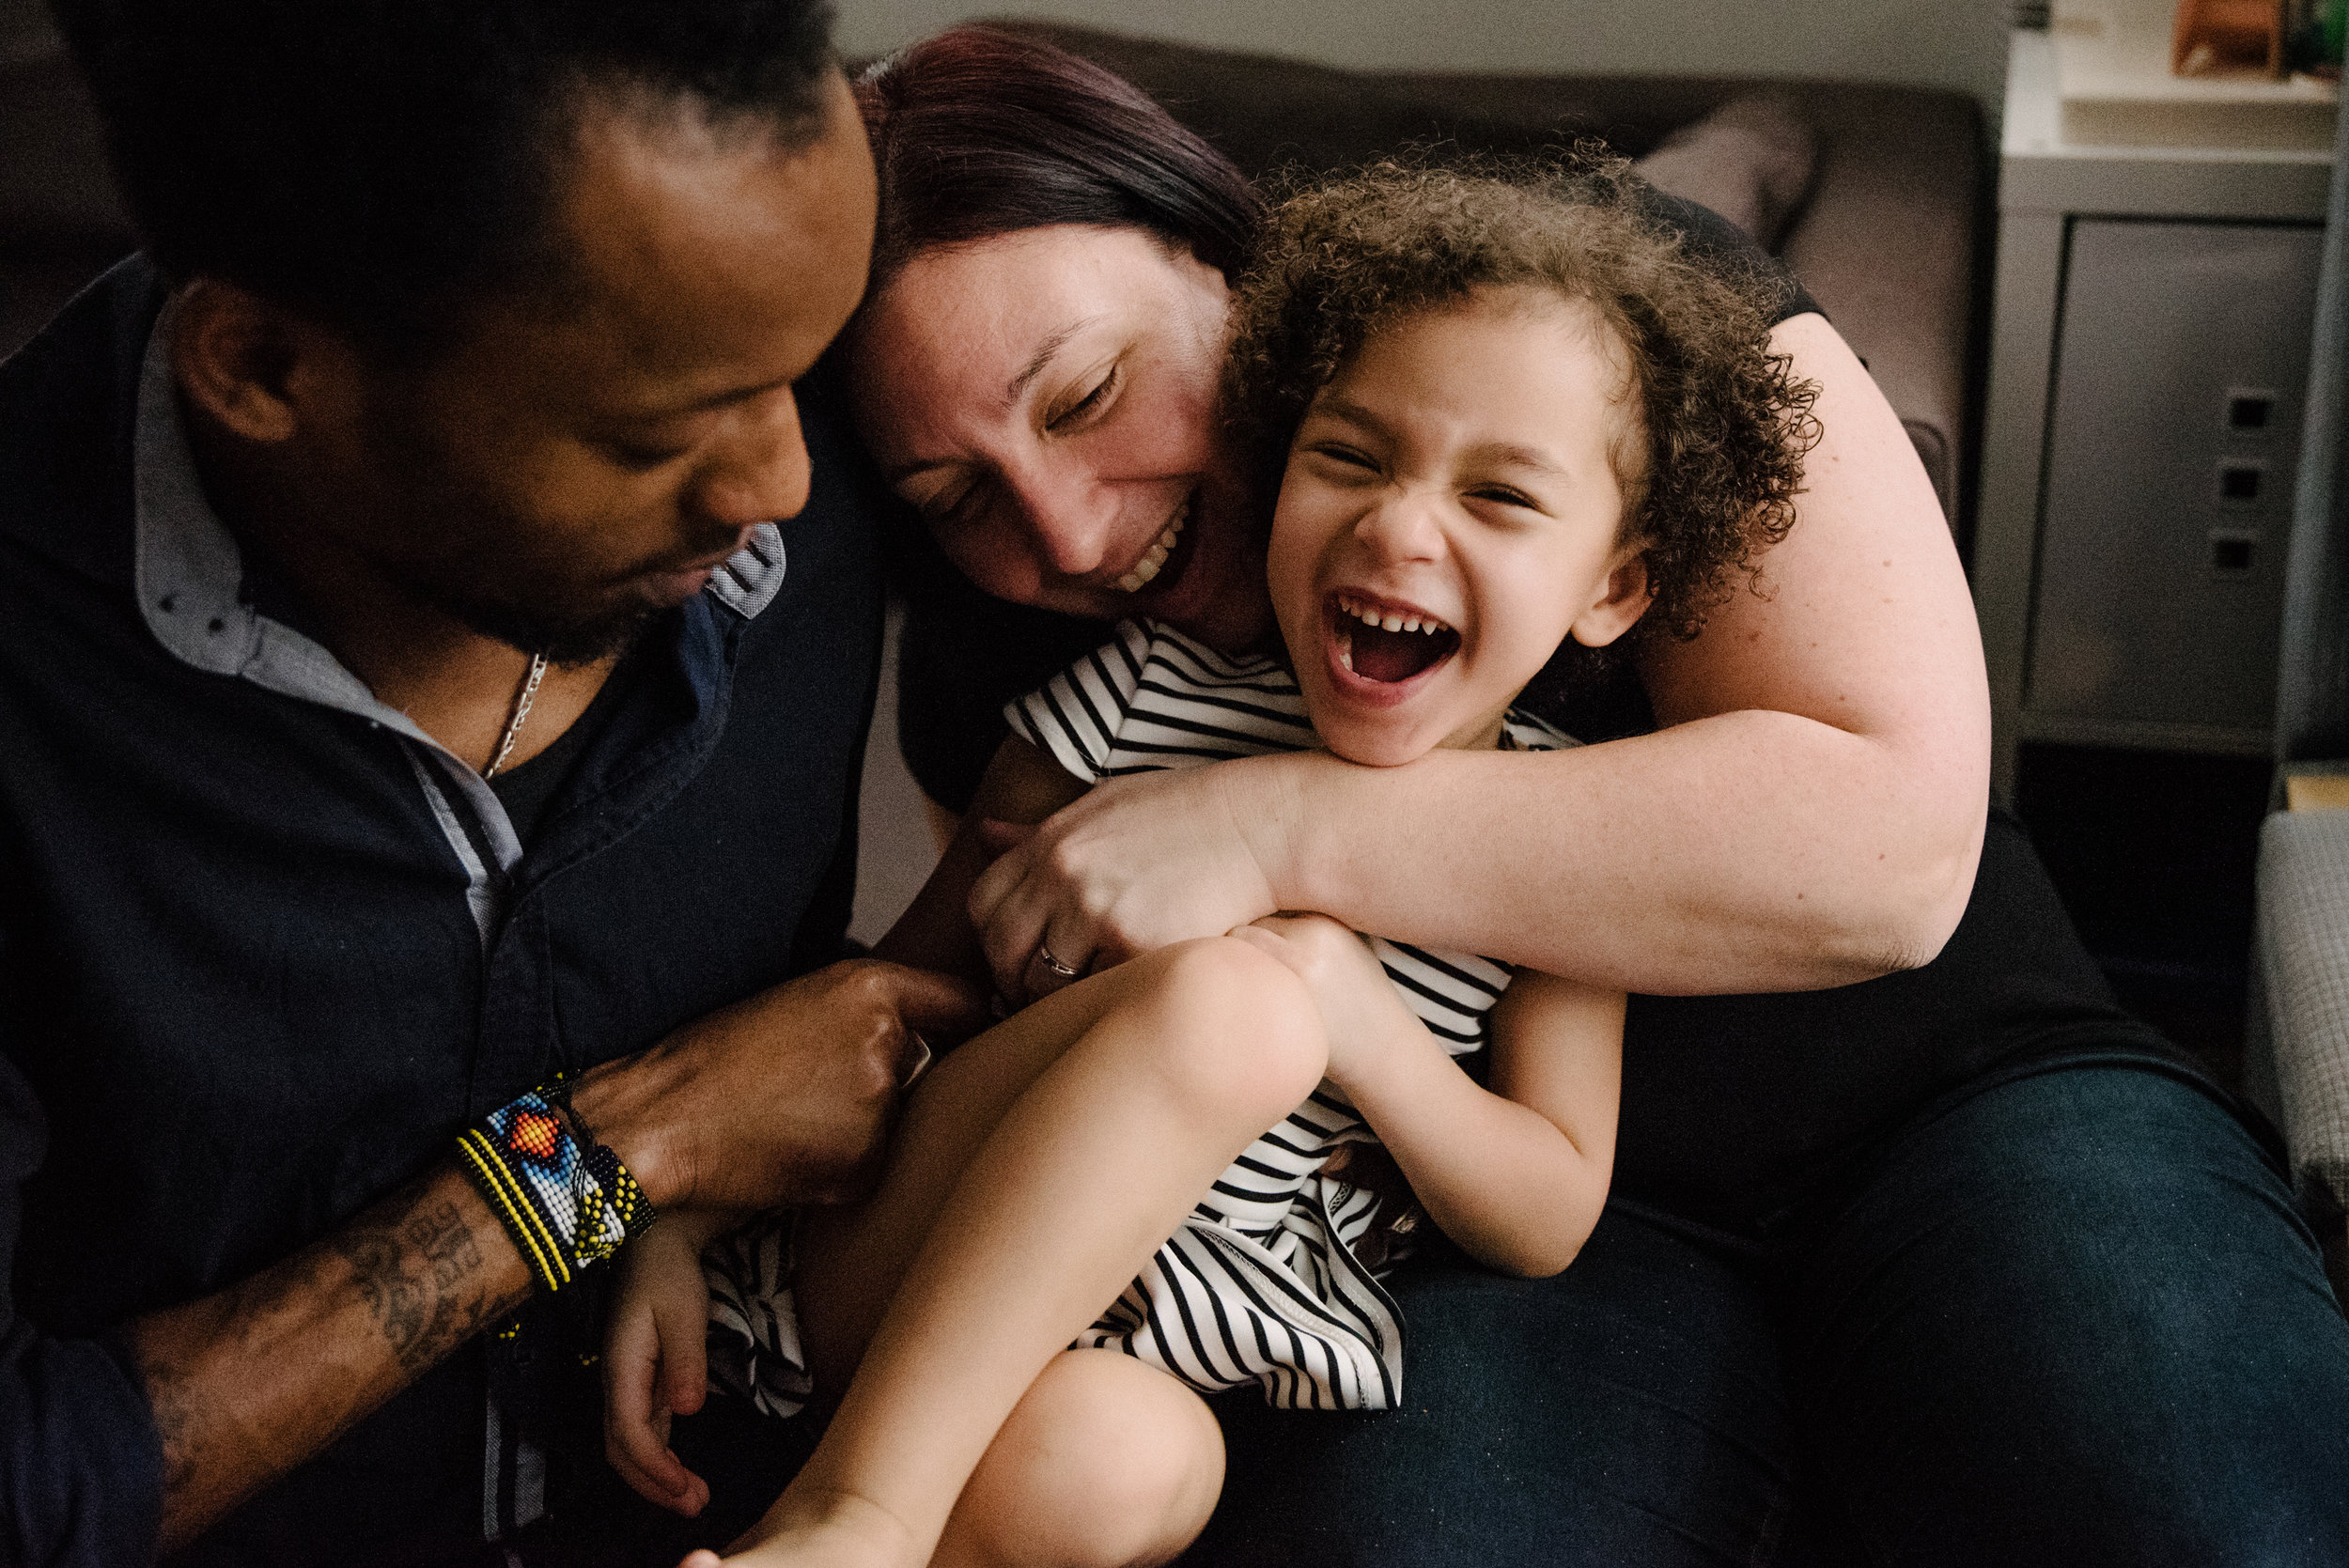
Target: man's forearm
x,y
249,1382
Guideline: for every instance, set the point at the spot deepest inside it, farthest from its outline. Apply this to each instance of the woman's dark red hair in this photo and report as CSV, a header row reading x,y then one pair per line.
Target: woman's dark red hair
x,y
981,132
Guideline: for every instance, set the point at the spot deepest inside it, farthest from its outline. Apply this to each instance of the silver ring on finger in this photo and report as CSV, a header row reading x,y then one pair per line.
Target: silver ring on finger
x,y
1054,967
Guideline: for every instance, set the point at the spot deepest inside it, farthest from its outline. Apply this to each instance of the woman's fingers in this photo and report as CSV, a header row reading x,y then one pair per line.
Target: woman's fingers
x,y
1137,863
1008,932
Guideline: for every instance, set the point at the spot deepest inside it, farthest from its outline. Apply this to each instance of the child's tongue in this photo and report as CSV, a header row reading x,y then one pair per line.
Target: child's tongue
x,y
1388,656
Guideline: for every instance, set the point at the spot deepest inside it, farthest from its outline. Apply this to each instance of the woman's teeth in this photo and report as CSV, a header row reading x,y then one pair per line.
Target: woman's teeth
x,y
1154,559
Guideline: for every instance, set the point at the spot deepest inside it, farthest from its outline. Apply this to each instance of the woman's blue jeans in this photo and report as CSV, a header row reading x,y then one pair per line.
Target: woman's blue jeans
x,y
2073,1319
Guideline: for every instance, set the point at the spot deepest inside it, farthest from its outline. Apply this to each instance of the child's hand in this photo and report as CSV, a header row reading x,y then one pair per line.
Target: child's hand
x,y
653,1358
1358,1002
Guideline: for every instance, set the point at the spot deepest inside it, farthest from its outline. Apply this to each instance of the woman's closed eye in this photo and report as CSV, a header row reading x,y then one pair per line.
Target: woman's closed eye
x,y
1092,402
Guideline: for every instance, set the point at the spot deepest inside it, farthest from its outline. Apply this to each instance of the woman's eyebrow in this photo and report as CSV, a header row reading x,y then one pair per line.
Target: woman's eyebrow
x,y
1051,344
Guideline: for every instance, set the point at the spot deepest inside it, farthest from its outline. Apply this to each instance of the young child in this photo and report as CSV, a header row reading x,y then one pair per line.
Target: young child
x,y
1510,413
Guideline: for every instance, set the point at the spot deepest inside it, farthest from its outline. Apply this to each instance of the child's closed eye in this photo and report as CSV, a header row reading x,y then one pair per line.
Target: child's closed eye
x,y
1342,456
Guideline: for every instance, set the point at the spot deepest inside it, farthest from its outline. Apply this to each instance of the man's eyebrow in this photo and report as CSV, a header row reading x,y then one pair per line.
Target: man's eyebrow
x,y
703,405
1053,343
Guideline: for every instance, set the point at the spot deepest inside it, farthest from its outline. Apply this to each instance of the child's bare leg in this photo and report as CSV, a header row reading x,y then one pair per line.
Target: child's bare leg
x,y
849,1260
1106,1463
1092,1166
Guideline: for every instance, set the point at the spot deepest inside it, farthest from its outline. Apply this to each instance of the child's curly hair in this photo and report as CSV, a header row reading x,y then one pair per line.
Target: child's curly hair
x,y
1724,420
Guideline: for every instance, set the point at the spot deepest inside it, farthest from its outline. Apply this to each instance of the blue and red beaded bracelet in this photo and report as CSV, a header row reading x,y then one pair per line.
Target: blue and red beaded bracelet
x,y
566,1200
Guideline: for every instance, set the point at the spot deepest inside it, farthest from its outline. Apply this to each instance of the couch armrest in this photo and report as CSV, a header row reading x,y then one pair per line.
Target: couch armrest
x,y
2302,953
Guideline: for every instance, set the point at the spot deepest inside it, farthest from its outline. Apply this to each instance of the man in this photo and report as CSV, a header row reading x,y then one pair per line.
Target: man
x,y
433,670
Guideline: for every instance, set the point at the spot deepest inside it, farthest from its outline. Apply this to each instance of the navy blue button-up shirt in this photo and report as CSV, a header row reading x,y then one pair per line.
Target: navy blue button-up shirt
x,y
265,947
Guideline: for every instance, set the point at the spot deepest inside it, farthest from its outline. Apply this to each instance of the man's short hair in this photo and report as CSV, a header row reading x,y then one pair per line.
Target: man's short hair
x,y
377,161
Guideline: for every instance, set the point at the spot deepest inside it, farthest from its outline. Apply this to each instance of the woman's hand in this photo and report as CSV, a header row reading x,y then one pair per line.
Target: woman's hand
x,y
1134,864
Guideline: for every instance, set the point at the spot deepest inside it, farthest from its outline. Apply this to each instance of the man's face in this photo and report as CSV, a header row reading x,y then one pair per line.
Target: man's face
x,y
571,466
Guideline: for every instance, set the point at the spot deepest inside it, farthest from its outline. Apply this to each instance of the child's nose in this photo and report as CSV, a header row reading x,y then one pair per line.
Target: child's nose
x,y
1404,526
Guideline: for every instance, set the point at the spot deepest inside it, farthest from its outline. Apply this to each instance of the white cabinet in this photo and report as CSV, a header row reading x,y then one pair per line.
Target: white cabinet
x,y
2148,352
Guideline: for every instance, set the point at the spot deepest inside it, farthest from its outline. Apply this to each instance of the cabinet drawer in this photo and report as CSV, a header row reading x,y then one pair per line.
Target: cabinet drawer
x,y
2173,439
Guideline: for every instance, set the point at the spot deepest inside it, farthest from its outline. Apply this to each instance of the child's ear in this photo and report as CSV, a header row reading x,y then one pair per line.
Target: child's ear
x,y
1624,596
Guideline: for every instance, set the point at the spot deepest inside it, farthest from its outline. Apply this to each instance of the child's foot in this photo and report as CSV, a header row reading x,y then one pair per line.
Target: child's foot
x,y
832,1529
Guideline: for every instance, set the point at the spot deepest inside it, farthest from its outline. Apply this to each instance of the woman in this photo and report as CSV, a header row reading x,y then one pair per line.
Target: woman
x,y
1956,1246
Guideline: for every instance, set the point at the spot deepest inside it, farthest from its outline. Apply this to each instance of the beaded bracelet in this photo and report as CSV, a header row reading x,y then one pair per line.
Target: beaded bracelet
x,y
566,1200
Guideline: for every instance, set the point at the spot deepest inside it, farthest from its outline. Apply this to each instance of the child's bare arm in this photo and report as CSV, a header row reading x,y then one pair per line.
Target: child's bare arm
x,y
654,1364
1515,1174
1022,786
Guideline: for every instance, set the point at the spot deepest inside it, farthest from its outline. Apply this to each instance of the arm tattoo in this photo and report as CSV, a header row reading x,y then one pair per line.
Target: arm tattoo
x,y
420,1274
412,1262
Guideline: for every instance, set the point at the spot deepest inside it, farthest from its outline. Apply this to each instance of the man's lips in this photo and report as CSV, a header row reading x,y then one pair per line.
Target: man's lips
x,y
675,584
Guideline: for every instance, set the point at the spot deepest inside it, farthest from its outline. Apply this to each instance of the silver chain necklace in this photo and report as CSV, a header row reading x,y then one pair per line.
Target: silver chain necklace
x,y
522,711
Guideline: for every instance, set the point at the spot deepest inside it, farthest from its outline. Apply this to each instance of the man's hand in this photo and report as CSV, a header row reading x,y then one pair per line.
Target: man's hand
x,y
779,1100
1135,864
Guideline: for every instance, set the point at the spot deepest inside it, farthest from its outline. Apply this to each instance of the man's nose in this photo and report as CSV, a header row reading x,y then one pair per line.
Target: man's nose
x,y
762,470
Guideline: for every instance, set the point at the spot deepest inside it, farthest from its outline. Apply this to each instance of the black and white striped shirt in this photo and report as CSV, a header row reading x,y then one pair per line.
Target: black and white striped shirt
x,y
1263,1283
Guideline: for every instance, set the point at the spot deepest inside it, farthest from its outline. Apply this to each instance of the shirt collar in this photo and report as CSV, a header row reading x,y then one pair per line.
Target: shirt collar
x,y
190,572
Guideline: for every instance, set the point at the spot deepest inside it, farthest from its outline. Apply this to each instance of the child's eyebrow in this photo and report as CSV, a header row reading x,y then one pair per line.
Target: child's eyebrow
x,y
1512,456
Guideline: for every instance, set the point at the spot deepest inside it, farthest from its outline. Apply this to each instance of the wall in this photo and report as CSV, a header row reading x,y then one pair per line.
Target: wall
x,y
25,30
1949,44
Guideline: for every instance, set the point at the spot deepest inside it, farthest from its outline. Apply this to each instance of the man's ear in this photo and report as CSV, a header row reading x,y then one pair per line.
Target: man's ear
x,y
1624,596
249,363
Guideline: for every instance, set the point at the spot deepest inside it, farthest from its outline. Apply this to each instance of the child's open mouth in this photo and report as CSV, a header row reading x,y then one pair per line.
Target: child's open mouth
x,y
1381,644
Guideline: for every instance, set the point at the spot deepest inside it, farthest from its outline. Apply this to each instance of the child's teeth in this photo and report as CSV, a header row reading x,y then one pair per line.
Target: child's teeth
x,y
1410,623
1154,557
1133,581
1346,650
1392,622
1147,567
1166,540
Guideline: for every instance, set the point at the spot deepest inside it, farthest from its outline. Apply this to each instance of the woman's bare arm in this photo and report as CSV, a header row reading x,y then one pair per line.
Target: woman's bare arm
x,y
1810,815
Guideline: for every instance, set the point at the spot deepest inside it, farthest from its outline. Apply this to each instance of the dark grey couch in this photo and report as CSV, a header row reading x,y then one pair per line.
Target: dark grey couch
x,y
1887,241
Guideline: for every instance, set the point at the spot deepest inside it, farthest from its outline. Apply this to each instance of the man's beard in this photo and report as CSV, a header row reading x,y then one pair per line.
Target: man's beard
x,y
480,572
565,635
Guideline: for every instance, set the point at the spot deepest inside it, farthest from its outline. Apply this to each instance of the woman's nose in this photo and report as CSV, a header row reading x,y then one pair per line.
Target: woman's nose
x,y
761,470
1071,520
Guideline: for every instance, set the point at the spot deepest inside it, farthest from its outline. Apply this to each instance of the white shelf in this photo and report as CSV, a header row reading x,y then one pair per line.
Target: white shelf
x,y
2113,86
2044,170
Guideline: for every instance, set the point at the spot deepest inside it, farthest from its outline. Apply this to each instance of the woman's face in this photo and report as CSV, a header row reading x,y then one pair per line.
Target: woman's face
x,y
1047,400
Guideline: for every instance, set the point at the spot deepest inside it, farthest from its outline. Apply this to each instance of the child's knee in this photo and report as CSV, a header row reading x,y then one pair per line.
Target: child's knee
x,y
1106,1462
1240,1028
